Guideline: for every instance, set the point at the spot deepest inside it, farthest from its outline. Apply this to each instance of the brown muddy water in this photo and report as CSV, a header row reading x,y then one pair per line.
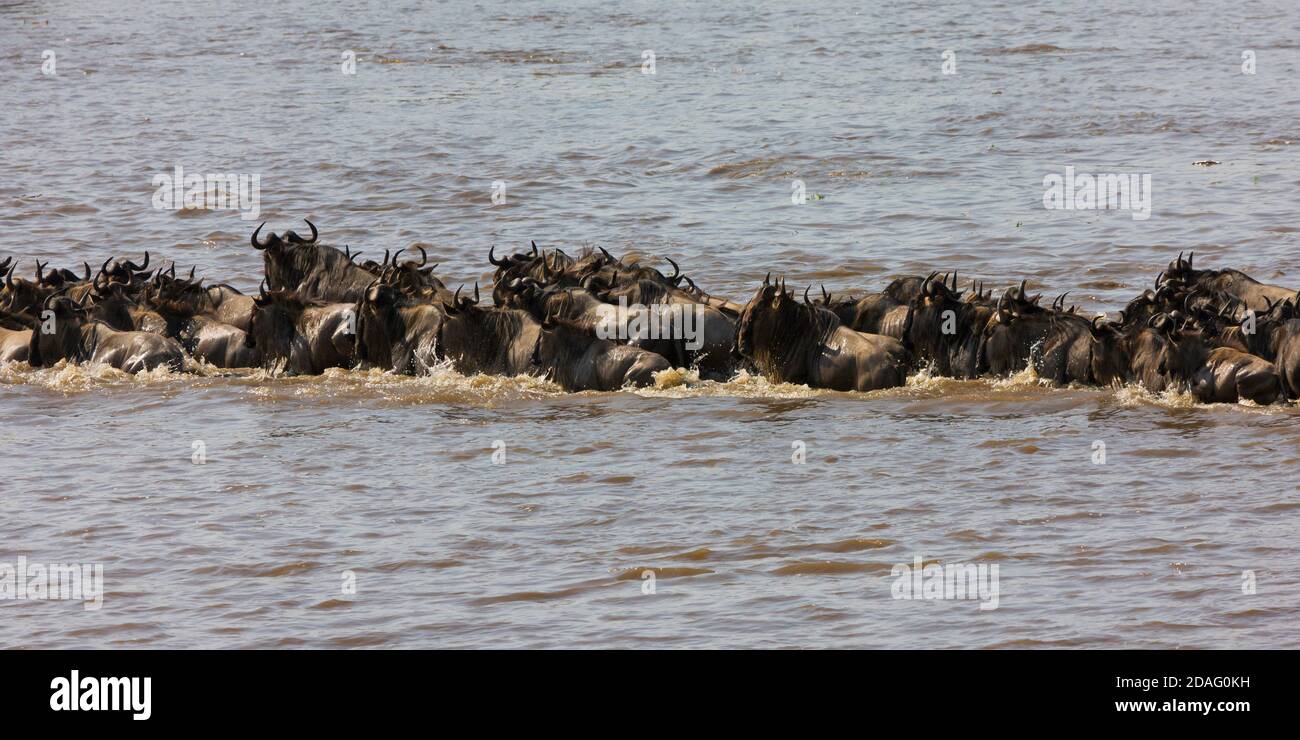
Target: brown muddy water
x,y
391,481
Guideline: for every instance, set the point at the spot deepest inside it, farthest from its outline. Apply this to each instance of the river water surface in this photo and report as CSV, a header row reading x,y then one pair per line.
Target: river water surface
x,y
312,484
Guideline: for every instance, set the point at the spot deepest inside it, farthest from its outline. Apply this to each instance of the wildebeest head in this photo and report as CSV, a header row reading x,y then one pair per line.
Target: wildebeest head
x,y
62,278
317,271
109,304
978,295
124,271
173,296
1180,271
1271,326
516,260
1159,356
21,295
544,267
381,332
776,332
938,322
65,340
273,327
1016,327
414,278
560,342
1109,361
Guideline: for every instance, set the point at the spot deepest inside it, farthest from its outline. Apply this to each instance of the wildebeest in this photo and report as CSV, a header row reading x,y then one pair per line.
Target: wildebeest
x,y
1227,375
220,302
944,329
397,332
1066,353
313,271
1256,295
1277,338
414,279
23,295
217,343
1015,334
577,360
1160,355
789,342
79,340
304,335
487,340
690,333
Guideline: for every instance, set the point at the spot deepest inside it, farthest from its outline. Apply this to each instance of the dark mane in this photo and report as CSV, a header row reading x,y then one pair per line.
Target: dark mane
x,y
783,339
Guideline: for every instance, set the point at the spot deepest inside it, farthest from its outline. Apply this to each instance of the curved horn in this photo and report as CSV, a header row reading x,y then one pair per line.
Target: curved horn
x,y
314,234
424,256
608,256
805,295
476,299
677,272
133,267
396,254
257,245
534,247
492,258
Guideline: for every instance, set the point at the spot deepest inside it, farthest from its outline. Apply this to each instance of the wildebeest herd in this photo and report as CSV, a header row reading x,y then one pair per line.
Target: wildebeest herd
x,y
1218,333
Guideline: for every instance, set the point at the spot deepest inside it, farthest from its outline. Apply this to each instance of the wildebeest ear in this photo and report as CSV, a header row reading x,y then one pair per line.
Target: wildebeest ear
x,y
1095,330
